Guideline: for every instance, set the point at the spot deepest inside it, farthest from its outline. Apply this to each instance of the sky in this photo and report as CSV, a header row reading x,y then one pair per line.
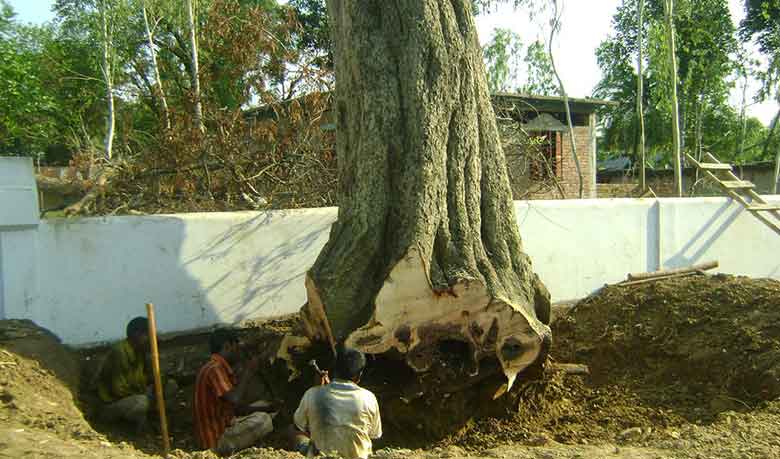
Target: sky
x,y
585,24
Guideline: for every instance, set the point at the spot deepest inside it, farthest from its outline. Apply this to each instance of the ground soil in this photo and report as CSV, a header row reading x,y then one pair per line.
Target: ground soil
x,y
680,368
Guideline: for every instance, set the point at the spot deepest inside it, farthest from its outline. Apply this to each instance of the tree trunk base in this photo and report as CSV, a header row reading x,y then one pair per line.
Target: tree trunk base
x,y
420,323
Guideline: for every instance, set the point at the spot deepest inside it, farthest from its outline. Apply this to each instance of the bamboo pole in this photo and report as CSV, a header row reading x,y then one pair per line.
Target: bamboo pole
x,y
670,272
157,382
676,142
640,97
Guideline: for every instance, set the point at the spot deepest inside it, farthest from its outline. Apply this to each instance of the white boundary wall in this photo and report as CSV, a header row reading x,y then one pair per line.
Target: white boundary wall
x,y
84,278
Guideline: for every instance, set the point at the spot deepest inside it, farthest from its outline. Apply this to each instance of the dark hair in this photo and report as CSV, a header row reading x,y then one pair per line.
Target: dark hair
x,y
137,327
220,337
349,364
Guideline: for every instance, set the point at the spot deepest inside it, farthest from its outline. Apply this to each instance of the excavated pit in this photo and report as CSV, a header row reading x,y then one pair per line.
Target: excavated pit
x,y
666,358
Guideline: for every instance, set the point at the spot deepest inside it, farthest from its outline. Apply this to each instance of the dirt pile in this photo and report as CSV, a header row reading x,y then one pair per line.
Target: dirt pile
x,y
38,380
662,355
39,413
681,368
700,345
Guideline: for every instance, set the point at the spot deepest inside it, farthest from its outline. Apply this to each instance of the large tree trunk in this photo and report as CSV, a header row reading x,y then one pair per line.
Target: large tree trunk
x,y
426,250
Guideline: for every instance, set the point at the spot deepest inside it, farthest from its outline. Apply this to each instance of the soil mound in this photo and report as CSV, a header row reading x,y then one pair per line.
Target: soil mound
x,y
661,355
700,345
38,380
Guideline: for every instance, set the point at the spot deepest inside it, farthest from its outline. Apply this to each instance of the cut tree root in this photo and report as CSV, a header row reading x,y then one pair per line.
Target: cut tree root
x,y
410,317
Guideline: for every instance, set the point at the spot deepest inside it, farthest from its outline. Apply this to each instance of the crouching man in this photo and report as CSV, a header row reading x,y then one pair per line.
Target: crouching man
x,y
125,378
340,417
223,421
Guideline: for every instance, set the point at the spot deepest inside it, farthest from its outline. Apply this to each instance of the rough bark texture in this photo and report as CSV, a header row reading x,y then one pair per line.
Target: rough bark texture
x,y
426,249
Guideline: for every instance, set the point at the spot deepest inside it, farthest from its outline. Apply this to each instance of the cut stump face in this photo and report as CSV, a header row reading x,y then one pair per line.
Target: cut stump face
x,y
413,319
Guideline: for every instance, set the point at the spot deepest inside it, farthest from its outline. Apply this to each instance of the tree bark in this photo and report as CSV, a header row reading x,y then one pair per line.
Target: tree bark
x,y
108,77
156,68
426,248
676,146
198,107
640,91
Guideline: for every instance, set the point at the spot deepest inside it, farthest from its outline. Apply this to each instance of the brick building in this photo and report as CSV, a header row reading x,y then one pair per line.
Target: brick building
x,y
538,147
533,131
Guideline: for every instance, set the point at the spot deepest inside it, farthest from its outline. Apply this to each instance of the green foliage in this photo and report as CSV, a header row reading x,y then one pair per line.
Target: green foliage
x,y
502,57
707,50
539,76
511,67
26,107
762,23
314,35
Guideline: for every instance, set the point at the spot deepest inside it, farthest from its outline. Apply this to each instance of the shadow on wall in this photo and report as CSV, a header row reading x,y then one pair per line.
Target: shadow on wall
x,y
269,255
199,270
706,235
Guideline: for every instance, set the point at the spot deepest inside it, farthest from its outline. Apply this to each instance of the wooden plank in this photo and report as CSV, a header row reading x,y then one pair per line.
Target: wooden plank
x,y
737,184
762,207
757,199
715,166
668,272
654,279
571,368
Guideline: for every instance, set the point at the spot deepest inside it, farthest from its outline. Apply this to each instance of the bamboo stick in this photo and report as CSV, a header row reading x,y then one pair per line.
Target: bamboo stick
x,y
157,382
670,272
658,278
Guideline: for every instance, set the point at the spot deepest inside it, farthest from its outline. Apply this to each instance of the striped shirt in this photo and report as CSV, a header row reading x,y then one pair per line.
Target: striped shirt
x,y
211,414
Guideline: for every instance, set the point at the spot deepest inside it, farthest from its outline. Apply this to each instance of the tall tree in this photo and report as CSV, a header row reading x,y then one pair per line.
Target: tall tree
x,y
106,16
706,47
640,92
155,67
671,49
762,23
194,69
539,73
26,107
555,25
426,248
502,58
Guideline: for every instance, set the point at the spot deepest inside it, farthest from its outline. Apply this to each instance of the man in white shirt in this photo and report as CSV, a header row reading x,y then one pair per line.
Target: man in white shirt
x,y
341,417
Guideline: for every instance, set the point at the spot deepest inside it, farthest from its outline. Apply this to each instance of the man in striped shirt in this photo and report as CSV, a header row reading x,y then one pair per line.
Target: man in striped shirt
x,y
220,397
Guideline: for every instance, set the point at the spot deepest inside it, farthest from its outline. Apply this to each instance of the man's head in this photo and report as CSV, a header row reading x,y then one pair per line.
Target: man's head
x,y
138,333
349,365
225,343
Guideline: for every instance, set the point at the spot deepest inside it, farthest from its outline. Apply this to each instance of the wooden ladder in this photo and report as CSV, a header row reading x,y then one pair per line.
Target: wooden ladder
x,y
740,190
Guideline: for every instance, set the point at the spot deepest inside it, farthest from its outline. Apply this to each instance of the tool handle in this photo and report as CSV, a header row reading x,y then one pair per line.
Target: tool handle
x,y
157,381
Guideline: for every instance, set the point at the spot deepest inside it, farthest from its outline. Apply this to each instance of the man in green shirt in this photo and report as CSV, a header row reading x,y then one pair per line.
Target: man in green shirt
x,y
124,382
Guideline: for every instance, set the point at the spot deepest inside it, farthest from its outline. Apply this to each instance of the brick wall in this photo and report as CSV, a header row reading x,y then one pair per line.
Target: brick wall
x,y
622,185
566,171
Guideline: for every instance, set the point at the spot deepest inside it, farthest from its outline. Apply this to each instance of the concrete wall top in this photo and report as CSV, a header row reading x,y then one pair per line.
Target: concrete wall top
x,y
18,193
85,278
